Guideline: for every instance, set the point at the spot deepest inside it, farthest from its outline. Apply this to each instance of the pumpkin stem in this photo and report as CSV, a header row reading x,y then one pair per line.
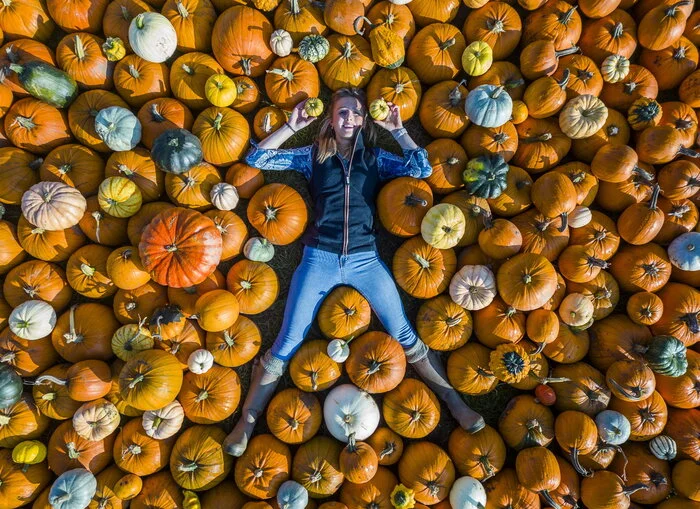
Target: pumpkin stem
x,y
617,30
134,72
349,311
72,336
568,51
245,64
155,114
192,466
548,498
564,19
48,378
49,396
314,384
433,488
643,175
597,262
683,123
87,270
446,44
228,339
79,48
270,213
412,201
564,79
564,221
139,21
577,465
356,25
453,321
424,264
628,490
495,26
654,197
497,92
691,321
537,139
24,122
136,381
374,366
389,449
689,152
415,416
181,9
679,211
399,87
347,50
294,7
671,11
623,390
315,477
203,394
8,357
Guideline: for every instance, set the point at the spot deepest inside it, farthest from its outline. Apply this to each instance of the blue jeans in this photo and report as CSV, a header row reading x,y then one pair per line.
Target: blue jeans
x,y
318,273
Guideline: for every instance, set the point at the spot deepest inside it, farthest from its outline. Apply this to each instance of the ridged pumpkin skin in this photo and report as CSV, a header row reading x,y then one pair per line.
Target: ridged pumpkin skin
x,y
151,380
198,461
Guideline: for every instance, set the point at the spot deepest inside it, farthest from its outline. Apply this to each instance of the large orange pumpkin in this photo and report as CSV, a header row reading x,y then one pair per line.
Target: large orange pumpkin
x,y
180,247
278,212
151,380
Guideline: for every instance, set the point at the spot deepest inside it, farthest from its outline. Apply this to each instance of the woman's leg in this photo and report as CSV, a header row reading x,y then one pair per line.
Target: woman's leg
x,y
316,275
372,278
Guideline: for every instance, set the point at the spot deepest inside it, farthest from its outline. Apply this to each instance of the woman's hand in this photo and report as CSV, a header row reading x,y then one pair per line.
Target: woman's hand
x,y
393,120
299,118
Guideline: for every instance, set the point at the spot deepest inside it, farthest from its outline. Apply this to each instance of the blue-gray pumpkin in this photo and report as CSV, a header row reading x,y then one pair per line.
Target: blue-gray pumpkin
x,y
73,489
176,151
666,355
118,127
10,386
489,106
613,427
486,176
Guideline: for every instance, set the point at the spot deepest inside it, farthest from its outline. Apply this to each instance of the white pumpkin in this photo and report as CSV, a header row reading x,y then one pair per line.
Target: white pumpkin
x,y
163,423
579,217
259,249
338,350
33,319
292,495
281,42
96,420
473,287
347,410
152,37
119,128
615,68
613,427
400,2
200,361
224,196
467,493
576,309
684,251
53,206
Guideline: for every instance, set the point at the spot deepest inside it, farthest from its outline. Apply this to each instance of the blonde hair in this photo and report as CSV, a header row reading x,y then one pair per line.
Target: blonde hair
x,y
325,143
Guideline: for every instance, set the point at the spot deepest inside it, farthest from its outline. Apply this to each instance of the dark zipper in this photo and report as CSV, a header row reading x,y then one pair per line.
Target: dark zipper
x,y
346,215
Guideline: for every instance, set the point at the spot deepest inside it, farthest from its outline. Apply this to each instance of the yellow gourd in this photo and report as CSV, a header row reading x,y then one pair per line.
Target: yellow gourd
x,y
387,46
220,90
29,452
477,58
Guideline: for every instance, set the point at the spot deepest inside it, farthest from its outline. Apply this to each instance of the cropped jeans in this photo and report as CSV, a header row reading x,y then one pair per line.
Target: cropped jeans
x,y
321,271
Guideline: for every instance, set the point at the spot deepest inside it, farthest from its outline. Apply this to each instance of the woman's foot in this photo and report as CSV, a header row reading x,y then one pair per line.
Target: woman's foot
x,y
467,418
262,387
432,372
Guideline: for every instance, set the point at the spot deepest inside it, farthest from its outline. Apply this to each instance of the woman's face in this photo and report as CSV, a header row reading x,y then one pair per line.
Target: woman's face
x,y
348,115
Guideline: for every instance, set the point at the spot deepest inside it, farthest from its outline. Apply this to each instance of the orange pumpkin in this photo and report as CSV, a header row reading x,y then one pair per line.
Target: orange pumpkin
x,y
294,416
138,81
139,454
430,481
36,126
210,397
422,270
480,455
376,363
263,467
68,450
411,409
254,284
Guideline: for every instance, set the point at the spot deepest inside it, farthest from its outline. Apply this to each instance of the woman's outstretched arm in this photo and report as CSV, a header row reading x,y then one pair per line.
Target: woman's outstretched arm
x,y
414,162
267,155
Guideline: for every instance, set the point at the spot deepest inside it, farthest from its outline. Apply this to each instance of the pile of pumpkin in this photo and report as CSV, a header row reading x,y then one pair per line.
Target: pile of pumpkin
x,y
555,247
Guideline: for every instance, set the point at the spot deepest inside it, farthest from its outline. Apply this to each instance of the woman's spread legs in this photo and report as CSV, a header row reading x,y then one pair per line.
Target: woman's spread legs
x,y
371,277
315,277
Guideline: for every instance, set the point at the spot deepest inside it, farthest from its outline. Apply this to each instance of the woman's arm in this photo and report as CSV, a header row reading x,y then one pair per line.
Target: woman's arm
x,y
267,155
414,162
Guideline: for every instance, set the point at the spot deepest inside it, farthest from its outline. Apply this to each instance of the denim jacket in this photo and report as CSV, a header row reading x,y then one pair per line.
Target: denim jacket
x,y
343,193
414,162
